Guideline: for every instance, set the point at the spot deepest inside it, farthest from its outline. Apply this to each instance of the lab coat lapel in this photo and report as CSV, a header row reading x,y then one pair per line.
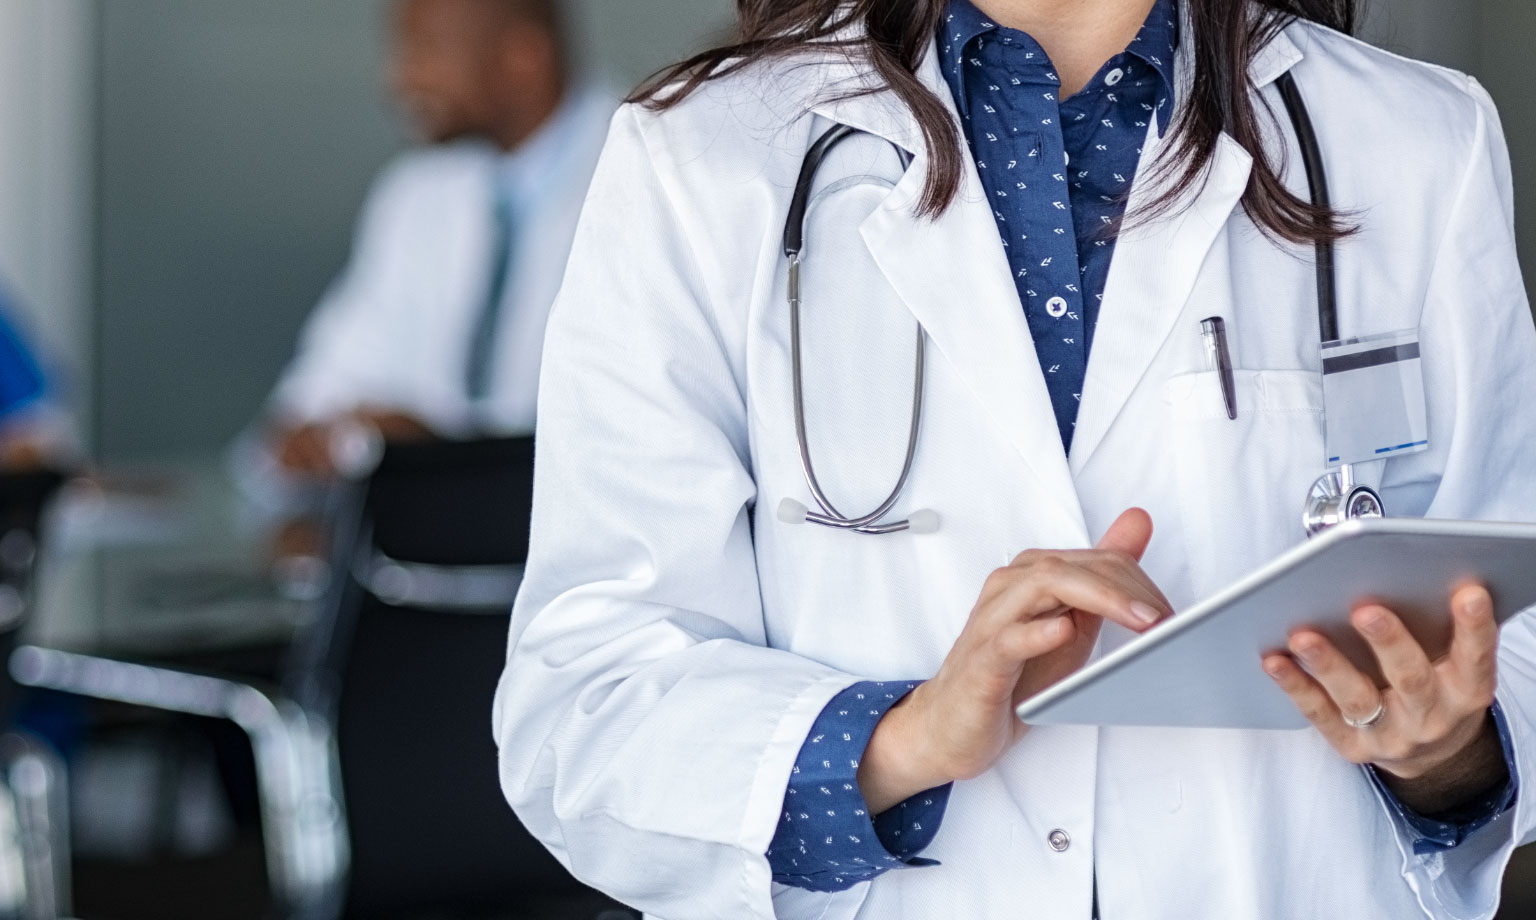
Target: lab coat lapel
x,y
953,275
1157,260
1150,279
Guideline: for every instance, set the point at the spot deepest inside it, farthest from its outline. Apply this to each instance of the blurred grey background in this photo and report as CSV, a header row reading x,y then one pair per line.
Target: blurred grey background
x,y
182,175
201,164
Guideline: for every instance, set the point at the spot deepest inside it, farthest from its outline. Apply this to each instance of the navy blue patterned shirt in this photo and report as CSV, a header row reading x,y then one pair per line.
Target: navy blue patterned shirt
x,y
1434,834
827,840
1057,174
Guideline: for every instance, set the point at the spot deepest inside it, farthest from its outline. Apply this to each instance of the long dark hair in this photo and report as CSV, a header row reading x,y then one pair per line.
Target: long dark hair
x,y
891,37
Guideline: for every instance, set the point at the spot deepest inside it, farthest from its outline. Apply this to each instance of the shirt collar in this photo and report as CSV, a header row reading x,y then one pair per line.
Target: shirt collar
x,y
1156,43
525,172
963,23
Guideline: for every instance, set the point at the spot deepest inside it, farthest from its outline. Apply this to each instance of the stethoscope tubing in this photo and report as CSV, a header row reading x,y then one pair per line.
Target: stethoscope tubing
x,y
794,243
830,516
1317,184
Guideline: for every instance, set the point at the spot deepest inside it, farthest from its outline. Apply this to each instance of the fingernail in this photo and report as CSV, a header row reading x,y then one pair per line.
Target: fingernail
x,y
1478,604
1274,668
1310,653
1145,613
1373,623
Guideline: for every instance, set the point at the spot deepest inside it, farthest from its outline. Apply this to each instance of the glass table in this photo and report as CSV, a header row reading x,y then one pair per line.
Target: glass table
x,y
156,588
162,564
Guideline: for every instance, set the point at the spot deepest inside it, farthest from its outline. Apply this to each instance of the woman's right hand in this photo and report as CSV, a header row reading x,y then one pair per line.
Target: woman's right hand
x,y
1037,621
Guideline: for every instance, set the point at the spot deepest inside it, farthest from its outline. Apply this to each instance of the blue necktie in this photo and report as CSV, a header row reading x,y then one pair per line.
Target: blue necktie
x,y
479,368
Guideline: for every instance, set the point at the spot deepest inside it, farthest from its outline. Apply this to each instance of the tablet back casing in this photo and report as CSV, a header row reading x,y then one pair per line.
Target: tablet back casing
x,y
1201,668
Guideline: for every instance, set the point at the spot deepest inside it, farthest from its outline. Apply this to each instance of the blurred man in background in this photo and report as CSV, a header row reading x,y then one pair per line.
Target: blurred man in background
x,y
436,326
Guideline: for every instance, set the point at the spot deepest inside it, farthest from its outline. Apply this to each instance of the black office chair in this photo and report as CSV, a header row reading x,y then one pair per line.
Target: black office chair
x,y
429,557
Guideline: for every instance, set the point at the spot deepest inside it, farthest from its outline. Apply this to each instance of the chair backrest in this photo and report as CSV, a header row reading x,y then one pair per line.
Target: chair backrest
x,y
454,503
413,659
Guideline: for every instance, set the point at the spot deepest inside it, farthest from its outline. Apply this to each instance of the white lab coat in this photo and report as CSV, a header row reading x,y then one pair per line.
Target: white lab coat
x,y
394,330
674,641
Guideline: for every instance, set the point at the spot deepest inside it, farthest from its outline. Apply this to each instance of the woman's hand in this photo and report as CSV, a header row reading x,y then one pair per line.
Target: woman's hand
x,y
1036,622
1432,734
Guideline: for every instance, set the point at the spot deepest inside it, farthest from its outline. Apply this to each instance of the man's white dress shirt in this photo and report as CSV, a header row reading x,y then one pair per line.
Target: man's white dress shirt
x,y
394,330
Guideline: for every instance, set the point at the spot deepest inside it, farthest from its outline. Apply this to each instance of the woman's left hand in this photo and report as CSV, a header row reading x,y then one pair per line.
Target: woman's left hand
x,y
1431,714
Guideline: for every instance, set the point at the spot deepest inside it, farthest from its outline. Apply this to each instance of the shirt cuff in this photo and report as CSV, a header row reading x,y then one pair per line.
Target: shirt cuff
x,y
826,839
1438,833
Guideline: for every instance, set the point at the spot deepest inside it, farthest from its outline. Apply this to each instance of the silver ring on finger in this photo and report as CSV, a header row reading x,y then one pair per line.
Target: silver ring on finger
x,y
1370,720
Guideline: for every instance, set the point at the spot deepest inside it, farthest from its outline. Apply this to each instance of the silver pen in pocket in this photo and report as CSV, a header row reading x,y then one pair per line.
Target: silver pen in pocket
x,y
1219,359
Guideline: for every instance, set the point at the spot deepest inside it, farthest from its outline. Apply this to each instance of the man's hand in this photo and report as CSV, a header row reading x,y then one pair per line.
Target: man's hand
x,y
304,450
1036,622
310,449
1435,740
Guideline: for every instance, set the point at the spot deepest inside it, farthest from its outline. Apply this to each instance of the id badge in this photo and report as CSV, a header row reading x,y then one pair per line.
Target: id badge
x,y
1373,398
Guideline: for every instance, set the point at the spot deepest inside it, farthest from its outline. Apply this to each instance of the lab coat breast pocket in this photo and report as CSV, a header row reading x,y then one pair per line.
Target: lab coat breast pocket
x,y
1242,481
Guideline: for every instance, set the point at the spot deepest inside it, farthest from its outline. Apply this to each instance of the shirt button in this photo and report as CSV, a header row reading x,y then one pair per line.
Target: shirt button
x,y
1059,840
1056,306
1114,76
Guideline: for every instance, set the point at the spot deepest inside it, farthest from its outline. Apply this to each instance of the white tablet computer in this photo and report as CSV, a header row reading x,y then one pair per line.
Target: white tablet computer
x,y
1201,668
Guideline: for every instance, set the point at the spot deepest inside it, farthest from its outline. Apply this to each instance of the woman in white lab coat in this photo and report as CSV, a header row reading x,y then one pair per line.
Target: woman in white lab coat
x,y
675,643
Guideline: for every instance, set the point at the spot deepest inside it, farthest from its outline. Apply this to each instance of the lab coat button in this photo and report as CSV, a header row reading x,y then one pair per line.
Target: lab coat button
x,y
1114,76
1059,840
1057,307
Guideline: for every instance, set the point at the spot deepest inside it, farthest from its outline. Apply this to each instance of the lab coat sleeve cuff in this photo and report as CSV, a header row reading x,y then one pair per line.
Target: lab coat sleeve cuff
x,y
826,839
1437,833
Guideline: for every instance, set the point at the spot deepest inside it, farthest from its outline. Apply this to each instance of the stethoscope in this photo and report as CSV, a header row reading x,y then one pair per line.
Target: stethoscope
x,y
1335,497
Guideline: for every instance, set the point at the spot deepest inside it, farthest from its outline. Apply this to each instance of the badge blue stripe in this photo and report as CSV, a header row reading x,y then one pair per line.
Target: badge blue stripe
x,y
1388,450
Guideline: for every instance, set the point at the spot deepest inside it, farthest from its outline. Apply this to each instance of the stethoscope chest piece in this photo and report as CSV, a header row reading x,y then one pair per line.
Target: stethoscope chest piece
x,y
1336,498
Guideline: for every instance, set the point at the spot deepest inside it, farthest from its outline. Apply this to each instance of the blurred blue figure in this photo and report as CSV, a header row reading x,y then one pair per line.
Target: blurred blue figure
x,y
31,428
21,379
